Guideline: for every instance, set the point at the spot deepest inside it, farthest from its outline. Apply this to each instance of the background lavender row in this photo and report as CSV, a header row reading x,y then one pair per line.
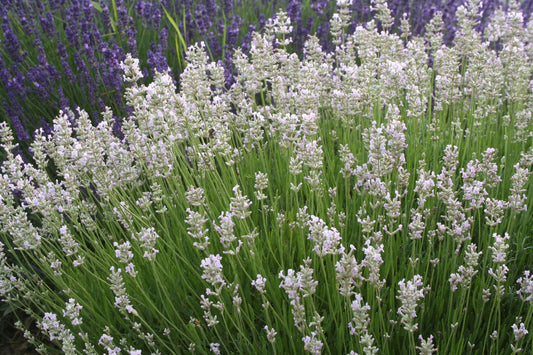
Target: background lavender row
x,y
60,53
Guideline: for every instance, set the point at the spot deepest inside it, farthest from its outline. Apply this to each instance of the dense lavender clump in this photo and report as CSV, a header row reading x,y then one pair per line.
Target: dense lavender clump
x,y
68,52
59,51
356,201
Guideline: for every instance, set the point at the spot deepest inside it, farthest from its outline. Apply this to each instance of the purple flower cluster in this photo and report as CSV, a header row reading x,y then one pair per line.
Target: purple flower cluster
x,y
49,64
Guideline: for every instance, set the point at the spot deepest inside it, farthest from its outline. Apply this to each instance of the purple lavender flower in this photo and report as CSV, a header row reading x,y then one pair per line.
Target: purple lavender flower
x,y
47,23
63,102
10,42
247,40
262,21
294,12
322,33
131,33
67,70
4,73
144,10
228,6
106,17
157,60
72,17
527,9
232,33
318,6
156,18
55,5
110,66
211,7
163,38
16,83
202,21
86,79
47,129
26,20
228,70
12,109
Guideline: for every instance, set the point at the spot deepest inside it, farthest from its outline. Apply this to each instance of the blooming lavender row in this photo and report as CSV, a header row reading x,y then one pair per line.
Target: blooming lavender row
x,y
67,53
354,201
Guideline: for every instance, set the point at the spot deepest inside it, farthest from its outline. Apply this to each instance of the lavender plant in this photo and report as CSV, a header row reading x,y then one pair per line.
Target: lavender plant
x,y
60,54
354,201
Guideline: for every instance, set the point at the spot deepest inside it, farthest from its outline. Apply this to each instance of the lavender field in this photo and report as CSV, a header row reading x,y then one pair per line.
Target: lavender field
x,y
271,177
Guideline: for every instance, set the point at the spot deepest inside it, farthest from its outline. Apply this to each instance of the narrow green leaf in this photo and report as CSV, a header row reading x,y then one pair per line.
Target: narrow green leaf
x,y
115,13
176,28
178,52
209,52
97,6
184,21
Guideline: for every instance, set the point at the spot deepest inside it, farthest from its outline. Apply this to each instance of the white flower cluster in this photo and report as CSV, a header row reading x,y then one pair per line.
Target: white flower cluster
x,y
299,285
55,330
327,240
122,300
409,294
376,88
466,273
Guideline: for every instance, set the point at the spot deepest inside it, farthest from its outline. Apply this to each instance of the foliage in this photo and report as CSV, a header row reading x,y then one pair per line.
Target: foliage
x,y
375,197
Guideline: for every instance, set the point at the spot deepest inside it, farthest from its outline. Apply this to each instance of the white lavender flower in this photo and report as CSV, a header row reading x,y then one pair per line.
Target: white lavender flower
x,y
239,204
526,287
227,235
426,345
72,311
383,13
517,198
494,210
312,344
519,331
409,294
123,252
195,196
132,71
69,245
326,240
117,285
261,183
271,334
212,270
214,347
499,249
57,331
372,262
147,238
259,284
349,273
196,229
205,303
361,320
282,27
466,273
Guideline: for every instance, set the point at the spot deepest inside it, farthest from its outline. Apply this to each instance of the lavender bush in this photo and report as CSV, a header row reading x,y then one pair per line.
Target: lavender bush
x,y
354,201
60,54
